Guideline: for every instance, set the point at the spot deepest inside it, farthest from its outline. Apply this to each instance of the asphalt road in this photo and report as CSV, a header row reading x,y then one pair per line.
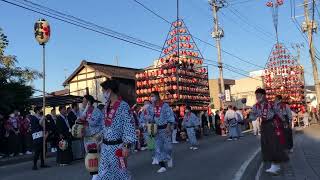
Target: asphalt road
x,y
216,159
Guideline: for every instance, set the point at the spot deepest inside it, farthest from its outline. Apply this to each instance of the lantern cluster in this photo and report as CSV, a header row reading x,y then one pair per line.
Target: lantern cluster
x,y
276,3
179,75
284,76
163,75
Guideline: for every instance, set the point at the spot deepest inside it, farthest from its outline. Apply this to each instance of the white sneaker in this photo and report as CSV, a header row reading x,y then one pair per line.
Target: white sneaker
x,y
20,154
170,163
143,148
155,161
191,147
162,170
28,153
175,142
195,148
52,150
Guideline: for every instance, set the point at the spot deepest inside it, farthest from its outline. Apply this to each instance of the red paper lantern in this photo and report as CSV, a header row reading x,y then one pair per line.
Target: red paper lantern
x,y
174,87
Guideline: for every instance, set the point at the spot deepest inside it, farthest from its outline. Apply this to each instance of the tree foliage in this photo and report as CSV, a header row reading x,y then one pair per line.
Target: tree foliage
x,y
14,91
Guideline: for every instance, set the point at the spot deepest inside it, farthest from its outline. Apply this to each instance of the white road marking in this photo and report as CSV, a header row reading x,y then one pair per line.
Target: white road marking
x,y
259,172
245,165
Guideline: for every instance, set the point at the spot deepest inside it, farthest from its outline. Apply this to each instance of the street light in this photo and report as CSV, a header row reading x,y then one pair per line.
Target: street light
x,y
42,35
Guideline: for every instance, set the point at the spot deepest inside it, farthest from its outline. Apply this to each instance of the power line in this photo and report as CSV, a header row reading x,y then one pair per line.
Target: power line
x,y
232,70
230,54
241,59
75,23
145,7
240,2
87,23
245,29
246,20
297,25
73,18
225,64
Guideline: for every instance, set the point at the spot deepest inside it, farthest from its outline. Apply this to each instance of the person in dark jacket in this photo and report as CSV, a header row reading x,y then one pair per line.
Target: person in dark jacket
x,y
73,115
204,123
51,120
64,155
37,121
211,122
217,123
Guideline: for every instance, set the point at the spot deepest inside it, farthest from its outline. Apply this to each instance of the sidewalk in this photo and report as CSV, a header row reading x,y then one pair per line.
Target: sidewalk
x,y
304,162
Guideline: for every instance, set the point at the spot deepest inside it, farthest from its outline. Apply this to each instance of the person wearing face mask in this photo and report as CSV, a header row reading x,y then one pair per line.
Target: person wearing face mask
x,y
92,118
284,112
117,134
272,135
190,123
163,117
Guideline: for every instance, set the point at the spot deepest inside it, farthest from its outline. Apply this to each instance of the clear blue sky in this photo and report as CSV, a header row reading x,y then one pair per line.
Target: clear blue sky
x,y
69,44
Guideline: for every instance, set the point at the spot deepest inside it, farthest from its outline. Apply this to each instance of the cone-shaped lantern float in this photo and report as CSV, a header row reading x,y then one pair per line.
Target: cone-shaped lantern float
x,y
178,74
284,76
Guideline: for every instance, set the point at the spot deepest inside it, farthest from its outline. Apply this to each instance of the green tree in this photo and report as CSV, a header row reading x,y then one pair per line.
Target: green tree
x,y
14,91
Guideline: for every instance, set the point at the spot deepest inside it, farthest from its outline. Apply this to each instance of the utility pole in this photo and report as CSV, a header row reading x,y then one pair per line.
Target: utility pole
x,y
218,34
309,27
297,47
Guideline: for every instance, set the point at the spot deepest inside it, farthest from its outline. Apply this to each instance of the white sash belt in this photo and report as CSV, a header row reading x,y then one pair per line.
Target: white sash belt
x,y
37,135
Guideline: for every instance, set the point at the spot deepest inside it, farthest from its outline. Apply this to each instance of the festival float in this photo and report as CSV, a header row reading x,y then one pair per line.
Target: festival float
x,y
179,74
283,74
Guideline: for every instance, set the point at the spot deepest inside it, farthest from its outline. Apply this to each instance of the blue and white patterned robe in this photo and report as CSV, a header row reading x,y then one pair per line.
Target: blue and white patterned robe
x,y
231,120
122,127
95,122
283,111
257,111
163,139
190,123
145,118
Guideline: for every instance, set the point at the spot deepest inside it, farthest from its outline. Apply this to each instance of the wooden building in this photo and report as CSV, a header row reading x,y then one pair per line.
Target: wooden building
x,y
87,77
